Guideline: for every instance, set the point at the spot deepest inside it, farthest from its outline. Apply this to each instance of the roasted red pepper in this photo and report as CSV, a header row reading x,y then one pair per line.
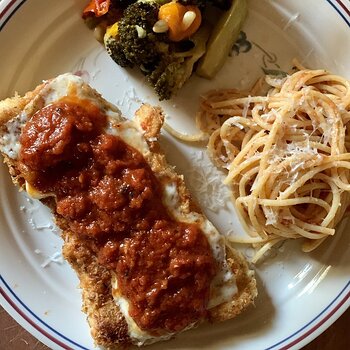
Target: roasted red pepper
x,y
96,8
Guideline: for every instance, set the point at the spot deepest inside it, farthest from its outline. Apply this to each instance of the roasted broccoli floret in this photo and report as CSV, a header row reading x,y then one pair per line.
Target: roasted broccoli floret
x,y
167,78
175,68
115,49
131,41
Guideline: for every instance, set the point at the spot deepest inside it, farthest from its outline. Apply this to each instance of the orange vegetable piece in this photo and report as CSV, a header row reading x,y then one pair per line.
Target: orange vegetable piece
x,y
97,8
173,13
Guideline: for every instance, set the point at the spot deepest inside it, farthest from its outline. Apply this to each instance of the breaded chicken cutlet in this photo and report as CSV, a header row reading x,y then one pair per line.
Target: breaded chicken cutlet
x,y
150,264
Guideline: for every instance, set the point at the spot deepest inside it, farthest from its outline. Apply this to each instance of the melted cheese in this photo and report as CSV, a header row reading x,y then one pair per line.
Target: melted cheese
x,y
223,286
34,193
137,335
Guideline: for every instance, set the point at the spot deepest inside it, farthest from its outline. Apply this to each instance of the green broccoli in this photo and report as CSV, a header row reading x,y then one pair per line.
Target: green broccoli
x,y
133,42
167,77
174,69
116,50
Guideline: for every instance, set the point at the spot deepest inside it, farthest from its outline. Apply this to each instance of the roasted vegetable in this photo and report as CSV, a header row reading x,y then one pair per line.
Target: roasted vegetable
x,y
174,69
131,41
96,8
224,35
182,21
163,38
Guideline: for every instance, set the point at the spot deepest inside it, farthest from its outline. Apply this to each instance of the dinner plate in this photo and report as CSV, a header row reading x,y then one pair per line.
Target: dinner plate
x,y
300,295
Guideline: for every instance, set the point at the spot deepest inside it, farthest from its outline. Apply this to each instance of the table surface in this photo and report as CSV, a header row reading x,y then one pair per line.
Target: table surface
x,y
13,336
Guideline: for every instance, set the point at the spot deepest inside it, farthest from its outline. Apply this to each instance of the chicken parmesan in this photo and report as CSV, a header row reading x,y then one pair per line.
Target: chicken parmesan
x,y
150,263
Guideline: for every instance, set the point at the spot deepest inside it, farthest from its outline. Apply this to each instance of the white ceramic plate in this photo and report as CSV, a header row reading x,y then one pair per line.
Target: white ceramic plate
x,y
299,295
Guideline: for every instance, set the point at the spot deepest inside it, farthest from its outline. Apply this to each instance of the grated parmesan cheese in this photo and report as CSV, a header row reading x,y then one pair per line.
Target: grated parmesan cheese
x,y
246,107
271,216
56,258
234,122
206,181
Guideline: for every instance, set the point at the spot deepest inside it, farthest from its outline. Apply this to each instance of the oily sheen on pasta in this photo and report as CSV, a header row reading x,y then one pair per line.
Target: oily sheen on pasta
x,y
286,154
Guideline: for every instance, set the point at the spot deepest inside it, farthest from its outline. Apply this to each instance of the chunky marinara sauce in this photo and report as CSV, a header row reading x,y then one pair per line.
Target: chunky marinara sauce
x,y
110,198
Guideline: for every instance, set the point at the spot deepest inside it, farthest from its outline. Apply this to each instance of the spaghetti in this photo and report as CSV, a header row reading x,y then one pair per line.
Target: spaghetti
x,y
286,153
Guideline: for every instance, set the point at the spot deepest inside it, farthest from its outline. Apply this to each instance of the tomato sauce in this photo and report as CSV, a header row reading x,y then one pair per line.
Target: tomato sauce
x,y
111,199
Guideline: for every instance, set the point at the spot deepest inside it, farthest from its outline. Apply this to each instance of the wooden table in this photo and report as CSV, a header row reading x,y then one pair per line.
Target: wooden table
x,y
14,337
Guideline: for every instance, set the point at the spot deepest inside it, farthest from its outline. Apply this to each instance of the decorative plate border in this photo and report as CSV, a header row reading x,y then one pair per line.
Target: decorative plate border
x,y
342,9
18,305
342,299
7,10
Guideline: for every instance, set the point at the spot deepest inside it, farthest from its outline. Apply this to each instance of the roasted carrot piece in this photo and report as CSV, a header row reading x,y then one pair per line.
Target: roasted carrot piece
x,y
183,21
